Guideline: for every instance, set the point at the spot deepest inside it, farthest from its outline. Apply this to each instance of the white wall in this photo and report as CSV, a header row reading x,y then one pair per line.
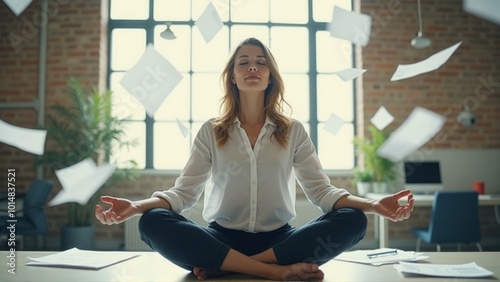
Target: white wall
x,y
460,168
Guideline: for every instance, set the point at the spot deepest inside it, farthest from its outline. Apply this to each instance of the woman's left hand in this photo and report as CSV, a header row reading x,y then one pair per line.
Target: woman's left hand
x,y
389,206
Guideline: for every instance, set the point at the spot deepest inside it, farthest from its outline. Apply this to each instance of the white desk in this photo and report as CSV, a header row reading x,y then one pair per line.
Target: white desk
x,y
423,201
150,266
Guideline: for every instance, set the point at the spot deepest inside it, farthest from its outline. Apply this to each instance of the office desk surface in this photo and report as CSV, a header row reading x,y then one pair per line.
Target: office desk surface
x,y
382,230
150,266
426,200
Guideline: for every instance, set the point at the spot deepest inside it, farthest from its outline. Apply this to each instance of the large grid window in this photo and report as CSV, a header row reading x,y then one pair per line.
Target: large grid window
x,y
294,30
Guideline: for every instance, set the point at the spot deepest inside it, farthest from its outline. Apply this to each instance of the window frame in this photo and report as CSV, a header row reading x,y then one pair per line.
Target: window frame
x,y
313,27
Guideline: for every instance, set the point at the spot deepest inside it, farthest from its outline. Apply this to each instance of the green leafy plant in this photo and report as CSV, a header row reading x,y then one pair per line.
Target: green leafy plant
x,y
86,128
361,175
381,168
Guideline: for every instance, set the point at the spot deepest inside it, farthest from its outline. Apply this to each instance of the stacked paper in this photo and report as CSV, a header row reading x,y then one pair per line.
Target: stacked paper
x,y
389,256
444,270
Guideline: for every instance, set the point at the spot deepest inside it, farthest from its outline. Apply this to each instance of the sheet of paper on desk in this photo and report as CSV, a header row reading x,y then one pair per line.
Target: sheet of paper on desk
x,y
361,256
444,270
76,258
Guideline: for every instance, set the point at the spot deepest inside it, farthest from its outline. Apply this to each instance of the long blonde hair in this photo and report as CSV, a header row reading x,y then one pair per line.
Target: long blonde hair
x,y
273,104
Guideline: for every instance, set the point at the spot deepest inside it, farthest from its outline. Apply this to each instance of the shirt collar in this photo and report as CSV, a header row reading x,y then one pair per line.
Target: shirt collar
x,y
267,122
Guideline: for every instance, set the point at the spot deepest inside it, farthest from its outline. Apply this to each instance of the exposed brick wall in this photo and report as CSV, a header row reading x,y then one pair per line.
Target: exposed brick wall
x,y
77,47
471,77
18,84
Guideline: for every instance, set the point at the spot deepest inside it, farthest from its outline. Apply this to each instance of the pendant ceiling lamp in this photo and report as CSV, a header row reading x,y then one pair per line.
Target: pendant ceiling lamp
x,y
420,41
168,33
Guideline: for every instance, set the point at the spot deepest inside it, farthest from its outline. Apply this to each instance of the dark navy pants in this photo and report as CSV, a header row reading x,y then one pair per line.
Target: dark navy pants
x,y
187,244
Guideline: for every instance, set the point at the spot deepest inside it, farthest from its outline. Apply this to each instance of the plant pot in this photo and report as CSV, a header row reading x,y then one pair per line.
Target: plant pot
x,y
380,187
81,237
363,188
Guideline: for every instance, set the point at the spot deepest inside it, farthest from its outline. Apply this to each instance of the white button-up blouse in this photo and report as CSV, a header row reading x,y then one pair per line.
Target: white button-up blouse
x,y
251,189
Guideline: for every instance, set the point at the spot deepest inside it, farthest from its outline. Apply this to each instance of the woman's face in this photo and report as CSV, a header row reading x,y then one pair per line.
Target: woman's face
x,y
251,72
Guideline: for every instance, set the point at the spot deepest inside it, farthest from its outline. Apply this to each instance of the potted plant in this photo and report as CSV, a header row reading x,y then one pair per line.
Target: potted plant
x,y
85,128
381,168
363,180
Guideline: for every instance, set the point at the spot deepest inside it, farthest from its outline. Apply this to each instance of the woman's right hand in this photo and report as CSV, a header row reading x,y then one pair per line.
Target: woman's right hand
x,y
120,210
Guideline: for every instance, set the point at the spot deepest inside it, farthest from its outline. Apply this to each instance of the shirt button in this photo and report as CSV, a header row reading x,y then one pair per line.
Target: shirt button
x,y
253,182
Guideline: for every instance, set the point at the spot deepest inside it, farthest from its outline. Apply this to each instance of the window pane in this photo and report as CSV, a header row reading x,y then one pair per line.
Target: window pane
x,y
289,11
250,11
323,9
197,97
242,32
177,103
129,9
124,104
134,131
297,95
290,48
336,151
206,96
332,54
127,47
212,56
172,10
171,149
334,96
177,51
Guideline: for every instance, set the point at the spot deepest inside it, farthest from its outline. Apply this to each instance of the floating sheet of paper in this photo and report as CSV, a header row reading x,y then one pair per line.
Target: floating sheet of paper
x,y
26,139
444,270
485,9
415,131
432,63
151,80
361,256
209,23
81,181
349,74
184,130
17,6
333,124
382,118
351,26
84,259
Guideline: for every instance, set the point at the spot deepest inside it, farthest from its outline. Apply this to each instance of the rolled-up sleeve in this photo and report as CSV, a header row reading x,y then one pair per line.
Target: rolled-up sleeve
x,y
313,181
190,184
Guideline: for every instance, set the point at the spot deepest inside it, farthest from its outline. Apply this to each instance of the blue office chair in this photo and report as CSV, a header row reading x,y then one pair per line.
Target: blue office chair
x,y
31,219
454,220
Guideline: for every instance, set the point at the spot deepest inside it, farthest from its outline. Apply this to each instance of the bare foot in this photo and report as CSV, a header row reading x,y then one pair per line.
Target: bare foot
x,y
300,271
203,273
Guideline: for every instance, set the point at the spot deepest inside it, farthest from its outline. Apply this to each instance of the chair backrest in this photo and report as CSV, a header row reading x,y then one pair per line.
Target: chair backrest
x,y
34,204
455,217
